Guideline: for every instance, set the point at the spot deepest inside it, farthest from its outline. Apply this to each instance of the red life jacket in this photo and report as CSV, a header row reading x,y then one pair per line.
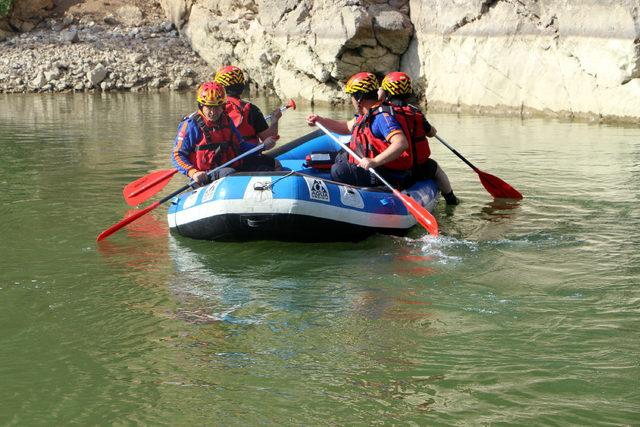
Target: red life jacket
x,y
412,120
238,110
366,144
217,145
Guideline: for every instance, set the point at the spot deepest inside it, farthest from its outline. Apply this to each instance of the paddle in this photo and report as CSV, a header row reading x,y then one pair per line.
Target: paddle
x,y
494,185
291,104
128,220
142,189
418,211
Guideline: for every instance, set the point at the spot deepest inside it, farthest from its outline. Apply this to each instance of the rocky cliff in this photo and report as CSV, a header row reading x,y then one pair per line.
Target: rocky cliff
x,y
303,49
568,57
572,57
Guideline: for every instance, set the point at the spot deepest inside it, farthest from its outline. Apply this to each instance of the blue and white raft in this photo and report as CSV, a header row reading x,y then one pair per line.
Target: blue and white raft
x,y
299,203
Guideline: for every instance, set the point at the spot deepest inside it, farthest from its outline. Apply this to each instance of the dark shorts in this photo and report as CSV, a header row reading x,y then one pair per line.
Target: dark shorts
x,y
426,170
350,173
257,163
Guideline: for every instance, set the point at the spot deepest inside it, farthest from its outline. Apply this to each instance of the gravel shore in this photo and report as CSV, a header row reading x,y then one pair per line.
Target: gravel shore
x,y
69,54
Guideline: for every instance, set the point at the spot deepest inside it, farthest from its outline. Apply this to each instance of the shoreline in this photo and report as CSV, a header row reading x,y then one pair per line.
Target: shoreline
x,y
69,54
431,108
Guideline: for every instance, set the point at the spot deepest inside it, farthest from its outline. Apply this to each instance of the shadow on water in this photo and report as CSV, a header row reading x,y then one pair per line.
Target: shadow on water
x,y
499,209
135,247
247,282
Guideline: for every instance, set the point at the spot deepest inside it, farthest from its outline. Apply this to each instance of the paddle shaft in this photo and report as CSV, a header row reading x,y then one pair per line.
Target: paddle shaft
x,y
353,153
109,231
457,154
173,172
169,173
284,108
494,185
423,216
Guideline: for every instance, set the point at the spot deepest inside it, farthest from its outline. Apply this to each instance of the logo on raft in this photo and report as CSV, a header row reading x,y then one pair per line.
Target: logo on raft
x,y
317,189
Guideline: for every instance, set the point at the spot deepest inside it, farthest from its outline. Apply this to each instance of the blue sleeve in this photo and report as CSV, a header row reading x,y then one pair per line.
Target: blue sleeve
x,y
384,126
188,136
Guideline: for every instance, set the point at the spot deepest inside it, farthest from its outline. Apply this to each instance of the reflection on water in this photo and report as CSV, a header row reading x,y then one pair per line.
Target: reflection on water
x,y
520,312
144,247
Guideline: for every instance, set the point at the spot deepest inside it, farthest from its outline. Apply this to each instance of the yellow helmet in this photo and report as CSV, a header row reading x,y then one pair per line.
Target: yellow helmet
x,y
362,82
397,83
211,94
229,75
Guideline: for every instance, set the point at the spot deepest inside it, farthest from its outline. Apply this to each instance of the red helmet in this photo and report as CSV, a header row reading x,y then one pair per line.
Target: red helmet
x,y
229,75
362,82
211,94
397,83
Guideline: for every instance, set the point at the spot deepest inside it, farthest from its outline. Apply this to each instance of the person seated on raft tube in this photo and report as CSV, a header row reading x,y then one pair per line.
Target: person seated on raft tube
x,y
248,118
208,138
375,136
396,91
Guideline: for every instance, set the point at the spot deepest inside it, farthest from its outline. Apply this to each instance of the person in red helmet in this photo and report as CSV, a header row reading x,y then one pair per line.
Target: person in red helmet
x,y
207,138
376,137
396,90
248,118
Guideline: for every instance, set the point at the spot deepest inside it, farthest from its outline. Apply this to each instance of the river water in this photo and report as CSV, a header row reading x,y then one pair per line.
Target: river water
x,y
521,313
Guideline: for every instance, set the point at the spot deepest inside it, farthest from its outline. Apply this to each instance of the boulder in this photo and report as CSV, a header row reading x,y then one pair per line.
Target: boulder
x,y
130,16
96,75
70,36
393,30
52,74
177,11
39,81
4,35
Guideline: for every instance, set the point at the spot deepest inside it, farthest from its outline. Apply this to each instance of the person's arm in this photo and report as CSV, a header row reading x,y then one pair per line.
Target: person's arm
x,y
188,135
386,127
429,130
342,127
397,145
272,130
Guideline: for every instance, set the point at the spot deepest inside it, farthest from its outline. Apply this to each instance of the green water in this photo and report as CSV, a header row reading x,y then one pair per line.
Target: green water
x,y
522,313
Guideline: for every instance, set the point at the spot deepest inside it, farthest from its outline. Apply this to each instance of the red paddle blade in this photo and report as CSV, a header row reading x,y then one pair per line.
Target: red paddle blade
x,y
497,187
291,104
128,220
142,189
418,211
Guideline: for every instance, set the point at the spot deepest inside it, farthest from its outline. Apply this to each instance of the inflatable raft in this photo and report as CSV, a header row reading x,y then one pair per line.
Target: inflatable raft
x,y
300,203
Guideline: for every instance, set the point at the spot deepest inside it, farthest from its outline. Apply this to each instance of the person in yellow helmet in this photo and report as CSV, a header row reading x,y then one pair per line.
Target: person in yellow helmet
x,y
396,90
207,138
248,118
375,136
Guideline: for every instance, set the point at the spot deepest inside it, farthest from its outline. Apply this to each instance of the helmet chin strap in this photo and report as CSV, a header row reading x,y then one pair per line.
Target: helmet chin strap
x,y
359,98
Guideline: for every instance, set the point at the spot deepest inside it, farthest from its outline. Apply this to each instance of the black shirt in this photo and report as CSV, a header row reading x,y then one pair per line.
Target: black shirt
x,y
256,119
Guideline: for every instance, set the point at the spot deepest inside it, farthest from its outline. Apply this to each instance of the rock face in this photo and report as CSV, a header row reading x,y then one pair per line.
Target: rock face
x,y
303,49
568,57
571,57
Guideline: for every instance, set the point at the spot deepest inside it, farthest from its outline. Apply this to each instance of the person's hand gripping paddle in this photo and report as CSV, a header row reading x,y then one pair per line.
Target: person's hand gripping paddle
x,y
418,211
142,189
